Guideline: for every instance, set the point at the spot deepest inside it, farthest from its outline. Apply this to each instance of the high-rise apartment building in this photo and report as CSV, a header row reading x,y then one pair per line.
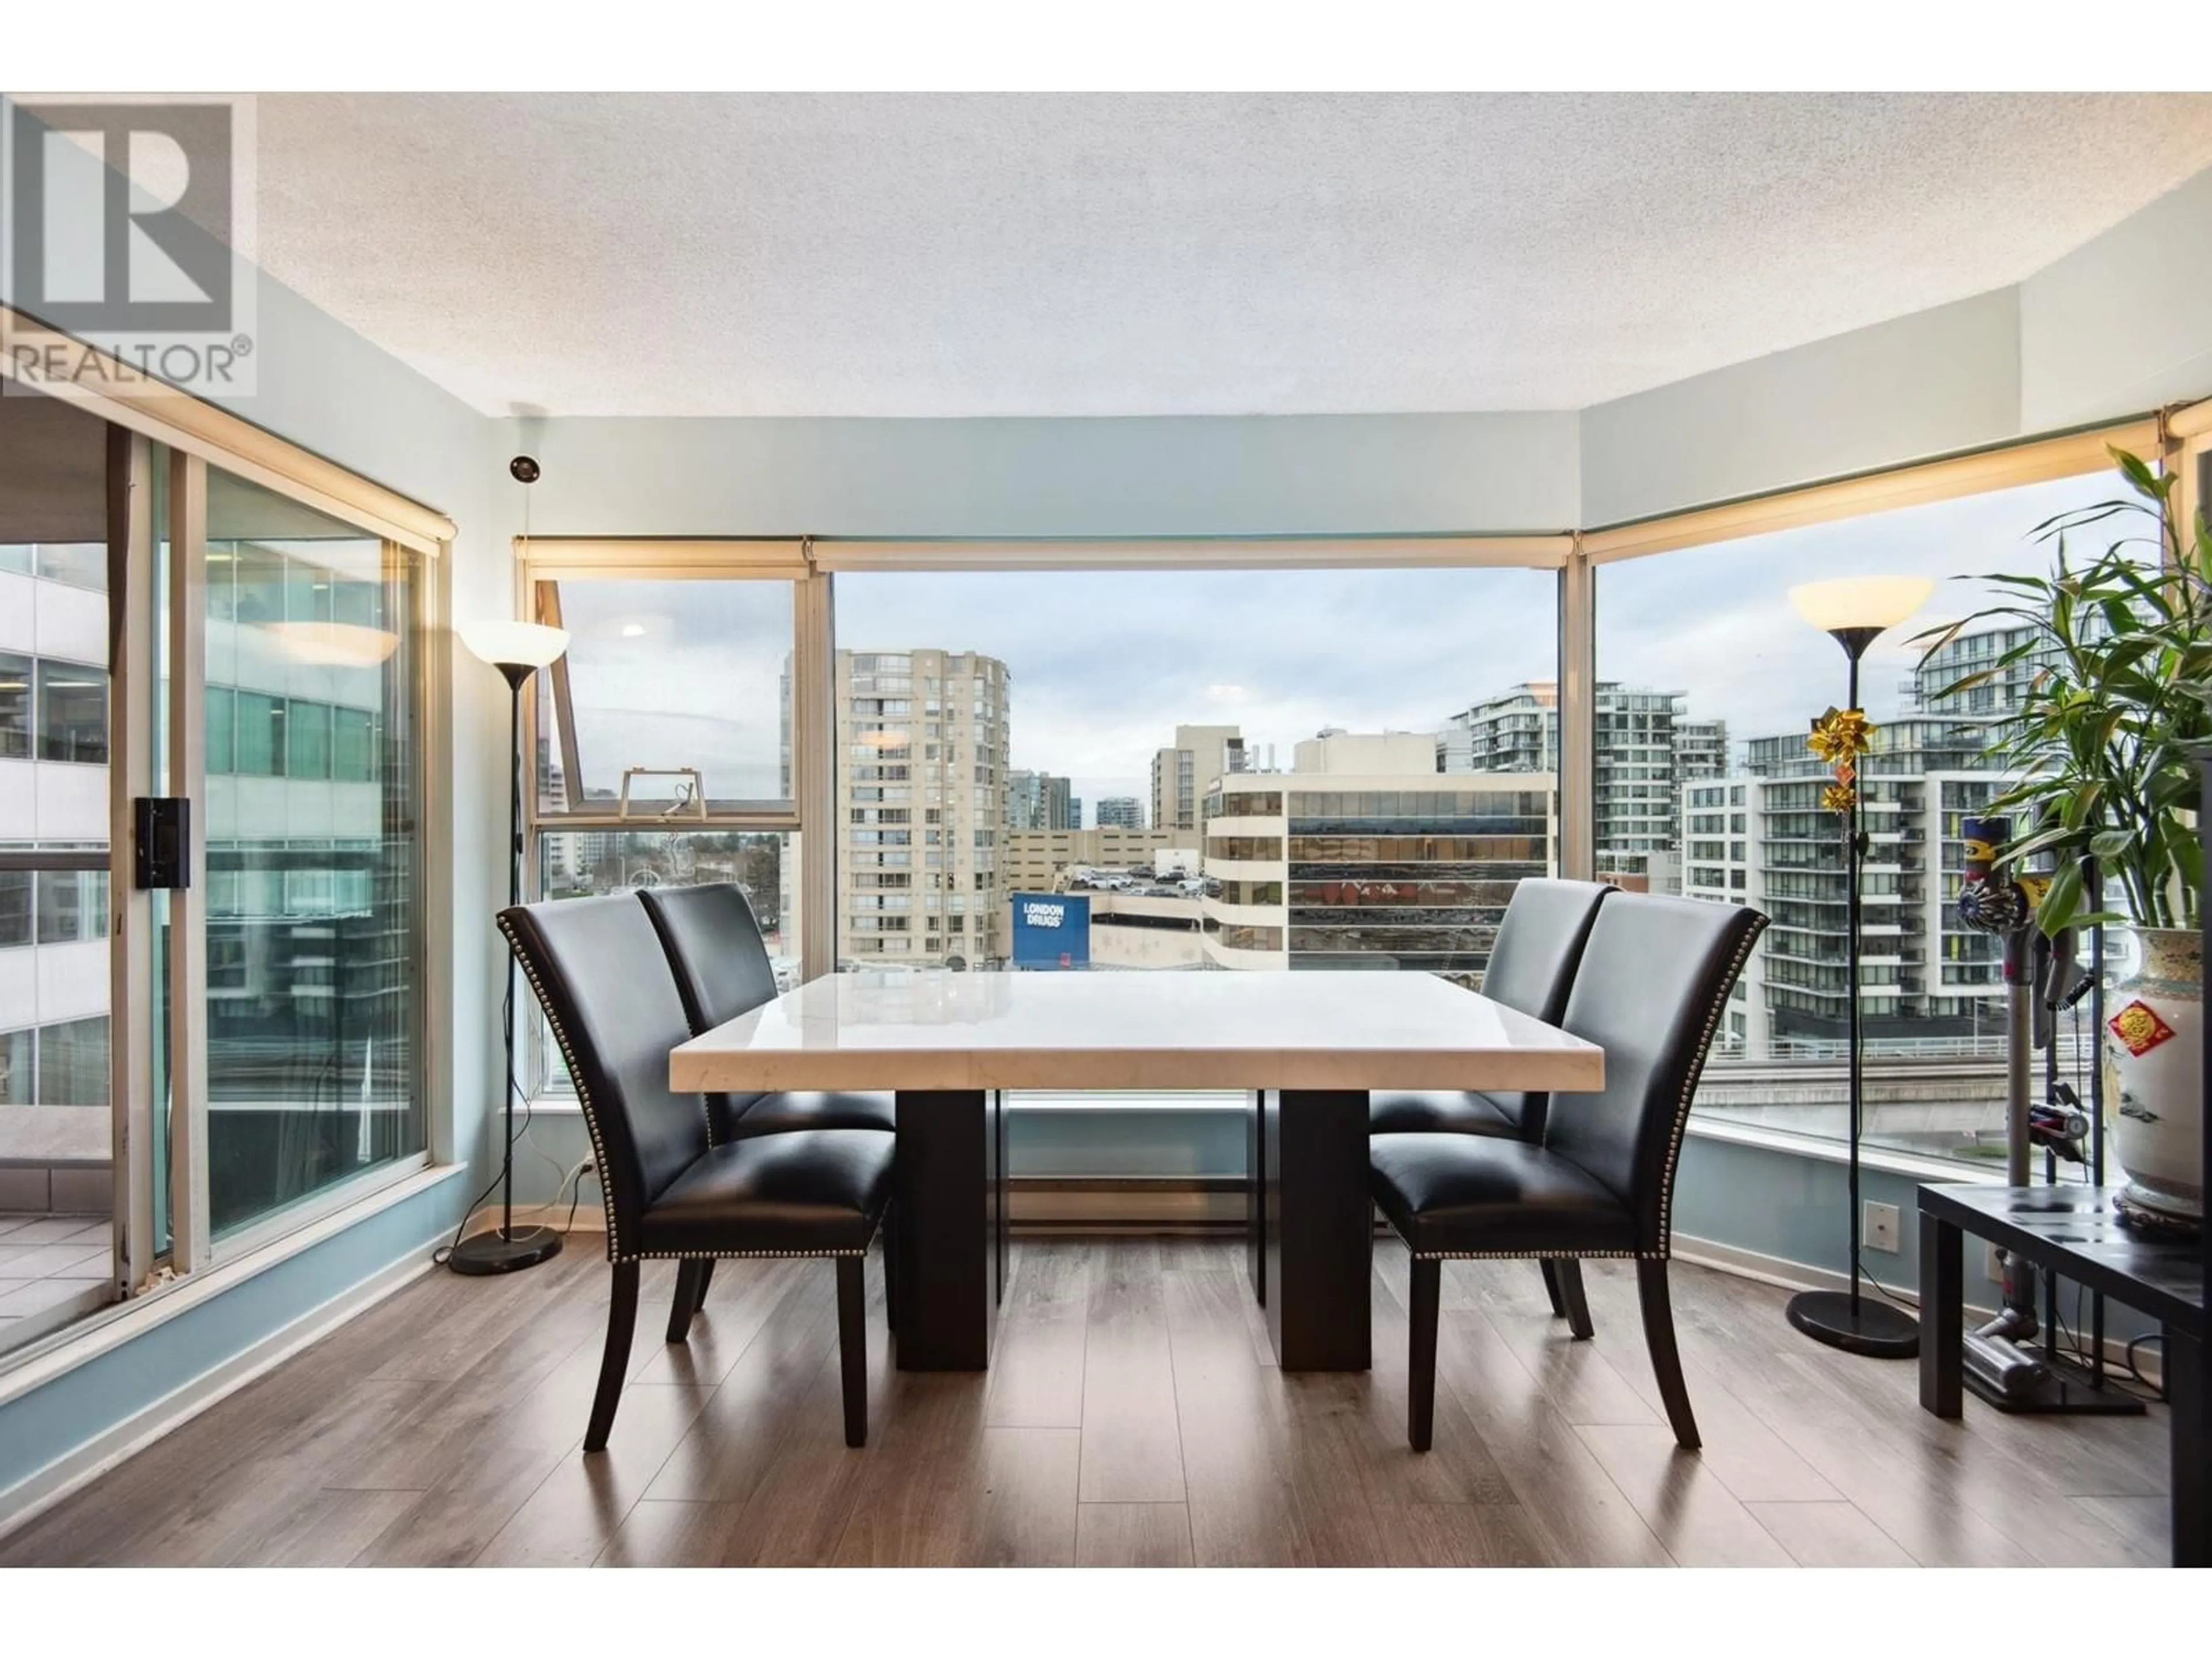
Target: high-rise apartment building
x,y
1038,800
1760,836
1121,813
922,809
1181,771
1362,856
1646,747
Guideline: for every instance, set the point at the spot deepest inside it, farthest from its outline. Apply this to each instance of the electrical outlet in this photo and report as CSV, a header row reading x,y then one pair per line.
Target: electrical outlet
x,y
1879,1228
1993,1264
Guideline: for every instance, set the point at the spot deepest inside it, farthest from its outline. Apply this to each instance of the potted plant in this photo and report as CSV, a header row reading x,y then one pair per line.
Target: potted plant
x,y
2116,652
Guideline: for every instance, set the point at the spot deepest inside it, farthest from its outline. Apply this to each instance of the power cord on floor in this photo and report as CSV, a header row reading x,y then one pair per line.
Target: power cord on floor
x,y
2134,1371
1868,1273
444,1253
587,1167
2078,1352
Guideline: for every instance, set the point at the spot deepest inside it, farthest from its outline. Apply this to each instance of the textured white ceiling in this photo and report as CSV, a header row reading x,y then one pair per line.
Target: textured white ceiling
x,y
1093,254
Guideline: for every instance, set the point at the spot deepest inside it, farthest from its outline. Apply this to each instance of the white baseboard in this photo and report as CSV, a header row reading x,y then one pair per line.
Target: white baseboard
x,y
36,1493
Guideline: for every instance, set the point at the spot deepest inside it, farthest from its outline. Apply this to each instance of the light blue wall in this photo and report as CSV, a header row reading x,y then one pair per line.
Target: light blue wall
x,y
42,1427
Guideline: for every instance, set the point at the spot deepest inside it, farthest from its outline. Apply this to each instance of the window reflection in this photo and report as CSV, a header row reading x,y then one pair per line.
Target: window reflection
x,y
314,896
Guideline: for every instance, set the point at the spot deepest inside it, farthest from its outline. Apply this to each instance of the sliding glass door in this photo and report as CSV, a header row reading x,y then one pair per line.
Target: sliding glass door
x,y
194,1058
312,778
59,1234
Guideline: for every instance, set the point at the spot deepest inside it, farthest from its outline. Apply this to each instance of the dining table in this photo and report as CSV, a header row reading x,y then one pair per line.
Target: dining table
x,y
1305,1048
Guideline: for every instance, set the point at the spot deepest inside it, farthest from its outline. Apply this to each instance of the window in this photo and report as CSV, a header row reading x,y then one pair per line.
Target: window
x,y
14,706
1178,685
314,989
306,739
79,564
72,906
72,712
258,750
352,745
680,689
15,908
221,731
666,675
1711,629
72,1063
18,1073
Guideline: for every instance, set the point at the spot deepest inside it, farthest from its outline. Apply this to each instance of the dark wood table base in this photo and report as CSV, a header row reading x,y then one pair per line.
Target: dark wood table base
x,y
2070,1231
1313,1237
1318,1227
948,1213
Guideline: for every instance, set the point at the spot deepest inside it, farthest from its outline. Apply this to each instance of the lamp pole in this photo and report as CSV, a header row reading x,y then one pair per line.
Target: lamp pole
x,y
518,650
1856,611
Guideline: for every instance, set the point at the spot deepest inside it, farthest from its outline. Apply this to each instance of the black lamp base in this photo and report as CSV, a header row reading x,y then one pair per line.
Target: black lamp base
x,y
1873,1328
496,1252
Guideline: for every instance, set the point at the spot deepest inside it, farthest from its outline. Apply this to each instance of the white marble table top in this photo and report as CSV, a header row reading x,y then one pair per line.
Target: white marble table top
x,y
937,1029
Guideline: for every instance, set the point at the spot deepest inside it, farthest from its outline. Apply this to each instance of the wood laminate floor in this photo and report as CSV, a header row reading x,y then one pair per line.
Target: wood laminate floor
x,y
1133,1416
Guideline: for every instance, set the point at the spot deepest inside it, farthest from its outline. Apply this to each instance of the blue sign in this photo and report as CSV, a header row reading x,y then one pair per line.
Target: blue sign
x,y
1052,930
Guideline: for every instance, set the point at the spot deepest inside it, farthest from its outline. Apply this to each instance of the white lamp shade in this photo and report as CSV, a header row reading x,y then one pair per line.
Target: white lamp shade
x,y
514,644
1876,602
334,645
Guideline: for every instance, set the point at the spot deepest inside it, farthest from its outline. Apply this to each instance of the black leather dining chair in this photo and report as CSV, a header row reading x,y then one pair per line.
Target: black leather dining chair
x,y
1650,990
720,963
721,967
1532,968
673,1188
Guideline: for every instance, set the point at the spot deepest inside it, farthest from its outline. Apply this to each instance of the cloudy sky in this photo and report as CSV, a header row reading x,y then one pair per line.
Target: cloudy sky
x,y
1105,666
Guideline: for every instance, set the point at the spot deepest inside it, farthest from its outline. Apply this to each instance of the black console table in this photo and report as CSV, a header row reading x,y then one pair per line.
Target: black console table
x,y
2071,1232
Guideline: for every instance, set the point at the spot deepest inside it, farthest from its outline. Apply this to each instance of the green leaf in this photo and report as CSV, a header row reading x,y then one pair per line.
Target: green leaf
x,y
2062,903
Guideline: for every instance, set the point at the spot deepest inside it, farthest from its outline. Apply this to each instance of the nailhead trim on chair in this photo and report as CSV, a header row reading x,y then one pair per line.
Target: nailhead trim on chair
x,y
738,1256
1690,1089
1665,1251
614,1253
1531,1255
583,1094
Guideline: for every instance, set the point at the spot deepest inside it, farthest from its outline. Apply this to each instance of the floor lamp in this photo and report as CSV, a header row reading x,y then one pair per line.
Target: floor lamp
x,y
1855,611
518,650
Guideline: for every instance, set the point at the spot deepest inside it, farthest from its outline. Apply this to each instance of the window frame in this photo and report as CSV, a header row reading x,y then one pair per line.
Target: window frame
x,y
542,565
144,419
2176,439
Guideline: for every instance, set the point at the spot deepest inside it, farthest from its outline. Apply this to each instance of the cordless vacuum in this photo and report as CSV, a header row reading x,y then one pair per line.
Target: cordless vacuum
x,y
2043,979
1992,901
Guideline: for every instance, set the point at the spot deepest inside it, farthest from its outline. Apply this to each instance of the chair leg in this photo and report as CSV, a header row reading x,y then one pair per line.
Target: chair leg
x,y
1666,1361
1550,1269
706,1277
890,1273
622,1324
1568,1274
853,1346
1421,1357
685,1303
